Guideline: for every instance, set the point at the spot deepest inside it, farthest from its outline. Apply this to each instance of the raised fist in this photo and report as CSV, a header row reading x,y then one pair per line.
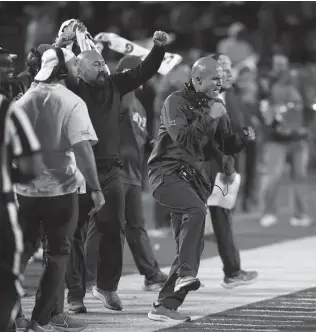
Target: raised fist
x,y
160,38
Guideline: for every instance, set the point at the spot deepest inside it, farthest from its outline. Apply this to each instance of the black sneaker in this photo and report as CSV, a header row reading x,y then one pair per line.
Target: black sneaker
x,y
189,283
155,283
163,314
241,279
110,299
35,327
63,322
77,307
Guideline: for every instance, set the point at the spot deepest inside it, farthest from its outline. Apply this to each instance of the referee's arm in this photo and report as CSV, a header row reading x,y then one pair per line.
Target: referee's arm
x,y
25,146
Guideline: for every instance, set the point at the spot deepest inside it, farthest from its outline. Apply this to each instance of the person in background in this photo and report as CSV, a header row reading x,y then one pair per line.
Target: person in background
x,y
133,137
235,46
62,124
248,95
10,87
221,218
18,144
287,136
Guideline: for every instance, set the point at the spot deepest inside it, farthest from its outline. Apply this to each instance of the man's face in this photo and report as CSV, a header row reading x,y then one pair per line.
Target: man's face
x,y
211,82
227,75
93,69
6,67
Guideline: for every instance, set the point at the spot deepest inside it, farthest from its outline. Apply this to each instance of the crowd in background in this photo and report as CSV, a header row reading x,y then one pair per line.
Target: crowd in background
x,y
261,33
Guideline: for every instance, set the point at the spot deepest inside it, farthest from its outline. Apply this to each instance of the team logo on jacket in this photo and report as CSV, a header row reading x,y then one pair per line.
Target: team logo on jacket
x,y
172,123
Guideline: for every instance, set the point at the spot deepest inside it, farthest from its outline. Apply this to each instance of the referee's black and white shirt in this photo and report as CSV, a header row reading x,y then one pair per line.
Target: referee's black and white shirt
x,y
17,139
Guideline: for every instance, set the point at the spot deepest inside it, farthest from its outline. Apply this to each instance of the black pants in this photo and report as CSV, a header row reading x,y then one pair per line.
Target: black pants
x,y
11,246
104,240
136,235
188,221
227,249
161,216
59,217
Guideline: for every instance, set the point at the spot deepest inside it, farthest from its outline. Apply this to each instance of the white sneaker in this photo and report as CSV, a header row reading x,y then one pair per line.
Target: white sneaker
x,y
268,220
304,221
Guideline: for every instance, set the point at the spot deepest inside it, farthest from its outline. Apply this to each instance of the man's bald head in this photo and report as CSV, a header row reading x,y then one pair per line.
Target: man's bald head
x,y
92,68
205,66
207,76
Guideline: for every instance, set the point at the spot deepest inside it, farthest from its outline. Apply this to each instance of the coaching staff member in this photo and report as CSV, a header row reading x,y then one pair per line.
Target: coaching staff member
x,y
222,218
102,93
190,119
62,124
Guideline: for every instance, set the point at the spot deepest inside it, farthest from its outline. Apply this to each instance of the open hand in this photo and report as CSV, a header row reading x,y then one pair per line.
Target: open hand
x,y
160,38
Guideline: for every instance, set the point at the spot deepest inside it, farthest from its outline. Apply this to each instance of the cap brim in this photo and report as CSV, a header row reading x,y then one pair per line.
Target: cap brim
x,y
44,74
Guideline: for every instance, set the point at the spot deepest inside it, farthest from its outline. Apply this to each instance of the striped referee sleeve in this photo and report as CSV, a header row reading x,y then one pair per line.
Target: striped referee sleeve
x,y
21,134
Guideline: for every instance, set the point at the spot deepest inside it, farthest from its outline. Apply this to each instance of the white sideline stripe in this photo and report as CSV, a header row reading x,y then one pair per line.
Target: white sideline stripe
x,y
283,268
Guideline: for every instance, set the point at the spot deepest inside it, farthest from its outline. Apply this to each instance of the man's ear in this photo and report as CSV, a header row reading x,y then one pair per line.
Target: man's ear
x,y
198,80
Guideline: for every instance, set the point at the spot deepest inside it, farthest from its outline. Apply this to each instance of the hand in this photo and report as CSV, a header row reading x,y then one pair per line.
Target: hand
x,y
217,110
249,133
160,38
18,96
98,201
66,38
228,179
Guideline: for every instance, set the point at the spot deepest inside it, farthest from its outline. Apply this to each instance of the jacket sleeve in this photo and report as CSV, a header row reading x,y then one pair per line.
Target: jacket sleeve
x,y
134,78
229,142
181,132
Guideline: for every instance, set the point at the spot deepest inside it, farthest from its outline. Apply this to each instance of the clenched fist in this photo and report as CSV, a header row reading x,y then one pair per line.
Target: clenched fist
x,y
249,133
217,110
160,38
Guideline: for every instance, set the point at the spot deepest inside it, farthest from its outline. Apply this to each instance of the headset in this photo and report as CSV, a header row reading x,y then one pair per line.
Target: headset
x,y
61,70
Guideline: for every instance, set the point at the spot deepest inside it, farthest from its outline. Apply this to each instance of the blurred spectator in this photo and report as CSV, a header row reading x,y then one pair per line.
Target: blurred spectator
x,y
235,45
287,136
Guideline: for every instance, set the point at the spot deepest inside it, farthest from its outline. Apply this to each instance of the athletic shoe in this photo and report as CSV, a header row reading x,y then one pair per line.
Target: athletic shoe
x,y
77,307
110,299
243,278
303,221
189,283
35,327
163,314
155,283
64,323
268,220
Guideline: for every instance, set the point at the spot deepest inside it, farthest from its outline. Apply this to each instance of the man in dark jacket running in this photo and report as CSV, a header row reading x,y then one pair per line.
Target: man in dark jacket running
x,y
193,125
102,93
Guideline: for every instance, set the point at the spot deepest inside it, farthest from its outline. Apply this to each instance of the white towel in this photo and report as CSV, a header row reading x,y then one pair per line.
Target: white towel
x,y
124,46
84,39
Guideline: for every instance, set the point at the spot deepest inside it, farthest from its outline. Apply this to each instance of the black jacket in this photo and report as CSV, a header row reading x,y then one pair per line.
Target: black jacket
x,y
188,135
104,105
